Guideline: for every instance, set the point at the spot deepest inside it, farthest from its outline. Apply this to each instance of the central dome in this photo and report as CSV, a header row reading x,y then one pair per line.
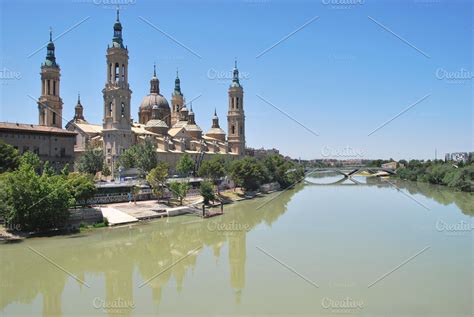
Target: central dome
x,y
154,99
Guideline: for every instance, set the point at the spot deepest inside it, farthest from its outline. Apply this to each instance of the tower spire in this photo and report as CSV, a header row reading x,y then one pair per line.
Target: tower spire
x,y
50,56
235,79
154,82
117,40
215,120
78,110
177,84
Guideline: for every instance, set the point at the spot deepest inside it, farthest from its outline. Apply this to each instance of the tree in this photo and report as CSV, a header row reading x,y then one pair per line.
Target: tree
x,y
141,156
92,161
65,170
31,159
135,192
247,173
81,186
213,169
9,158
32,201
185,165
157,178
48,169
106,171
285,172
128,159
206,189
179,190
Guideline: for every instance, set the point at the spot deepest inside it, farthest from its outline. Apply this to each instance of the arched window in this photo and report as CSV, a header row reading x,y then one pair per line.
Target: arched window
x,y
110,72
237,102
54,117
233,129
123,72
54,88
117,69
122,111
232,103
49,87
110,109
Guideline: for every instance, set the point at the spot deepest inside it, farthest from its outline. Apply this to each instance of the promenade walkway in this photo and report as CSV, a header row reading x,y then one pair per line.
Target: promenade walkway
x,y
117,217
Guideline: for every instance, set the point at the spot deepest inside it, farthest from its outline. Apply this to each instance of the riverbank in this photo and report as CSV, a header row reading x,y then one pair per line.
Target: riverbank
x,y
141,211
459,177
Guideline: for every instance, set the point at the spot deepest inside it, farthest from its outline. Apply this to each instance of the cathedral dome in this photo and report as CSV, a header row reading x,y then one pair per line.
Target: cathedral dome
x,y
154,99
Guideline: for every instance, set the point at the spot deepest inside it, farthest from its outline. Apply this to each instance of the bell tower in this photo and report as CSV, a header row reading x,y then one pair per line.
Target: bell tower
x,y
117,133
177,100
50,104
235,115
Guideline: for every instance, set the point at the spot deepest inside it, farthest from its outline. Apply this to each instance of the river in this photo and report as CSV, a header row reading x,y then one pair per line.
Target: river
x,y
372,249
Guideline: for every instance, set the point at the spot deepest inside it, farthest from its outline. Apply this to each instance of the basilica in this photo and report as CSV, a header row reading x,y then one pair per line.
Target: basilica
x,y
170,126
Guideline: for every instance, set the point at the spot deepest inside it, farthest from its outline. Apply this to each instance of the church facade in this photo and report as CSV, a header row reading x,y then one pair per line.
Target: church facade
x,y
173,129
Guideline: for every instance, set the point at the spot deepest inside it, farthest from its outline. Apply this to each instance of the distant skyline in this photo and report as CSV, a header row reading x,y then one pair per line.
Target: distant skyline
x,y
318,76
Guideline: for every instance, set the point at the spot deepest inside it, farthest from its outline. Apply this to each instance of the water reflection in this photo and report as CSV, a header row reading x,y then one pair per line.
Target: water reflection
x,y
441,194
115,262
162,250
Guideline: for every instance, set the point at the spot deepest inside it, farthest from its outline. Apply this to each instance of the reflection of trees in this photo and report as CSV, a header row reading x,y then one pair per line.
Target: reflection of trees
x,y
150,249
441,194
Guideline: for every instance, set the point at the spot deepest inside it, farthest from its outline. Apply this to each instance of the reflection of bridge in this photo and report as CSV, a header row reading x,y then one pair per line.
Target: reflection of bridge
x,y
348,172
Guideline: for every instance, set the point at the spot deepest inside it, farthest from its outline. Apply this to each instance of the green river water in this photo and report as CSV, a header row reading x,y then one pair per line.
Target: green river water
x,y
358,250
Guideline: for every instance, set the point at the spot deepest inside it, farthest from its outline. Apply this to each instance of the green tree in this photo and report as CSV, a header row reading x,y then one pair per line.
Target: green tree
x,y
436,173
9,158
31,159
34,202
460,178
135,192
285,172
106,171
185,165
81,186
92,161
157,178
247,173
65,170
48,169
213,169
206,189
128,159
179,190
141,156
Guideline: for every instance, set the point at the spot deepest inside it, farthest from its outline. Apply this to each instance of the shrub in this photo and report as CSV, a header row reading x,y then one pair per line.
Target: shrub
x,y
207,191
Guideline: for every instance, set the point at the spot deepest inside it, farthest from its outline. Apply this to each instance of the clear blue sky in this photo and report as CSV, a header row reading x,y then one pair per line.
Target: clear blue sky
x,y
342,75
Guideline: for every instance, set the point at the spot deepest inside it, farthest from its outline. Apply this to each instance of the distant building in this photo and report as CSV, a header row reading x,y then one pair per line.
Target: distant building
x,y
49,143
391,165
261,153
457,157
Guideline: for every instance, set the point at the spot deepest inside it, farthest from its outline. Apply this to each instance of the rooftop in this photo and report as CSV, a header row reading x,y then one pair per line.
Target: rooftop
x,y
33,128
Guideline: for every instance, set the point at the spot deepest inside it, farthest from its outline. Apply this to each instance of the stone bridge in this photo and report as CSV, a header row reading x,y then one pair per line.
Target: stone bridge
x,y
348,172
